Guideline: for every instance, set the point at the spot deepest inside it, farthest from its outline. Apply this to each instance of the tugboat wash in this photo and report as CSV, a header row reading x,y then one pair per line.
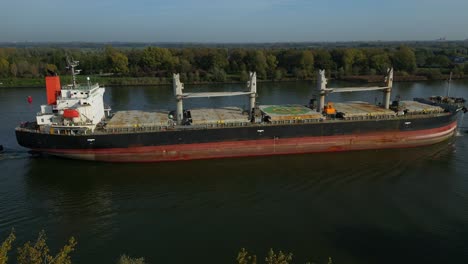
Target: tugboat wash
x,y
76,124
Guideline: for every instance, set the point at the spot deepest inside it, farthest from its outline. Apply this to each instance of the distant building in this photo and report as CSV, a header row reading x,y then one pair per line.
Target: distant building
x,y
459,59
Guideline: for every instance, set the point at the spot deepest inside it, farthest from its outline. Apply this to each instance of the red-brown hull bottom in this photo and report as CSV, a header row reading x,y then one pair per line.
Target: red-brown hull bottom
x,y
405,139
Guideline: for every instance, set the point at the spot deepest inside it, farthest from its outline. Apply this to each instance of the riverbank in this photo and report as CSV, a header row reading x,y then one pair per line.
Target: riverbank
x,y
397,78
154,81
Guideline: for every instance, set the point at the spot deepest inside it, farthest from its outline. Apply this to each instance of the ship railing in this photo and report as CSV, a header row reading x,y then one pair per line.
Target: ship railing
x,y
368,117
167,128
84,87
136,129
295,121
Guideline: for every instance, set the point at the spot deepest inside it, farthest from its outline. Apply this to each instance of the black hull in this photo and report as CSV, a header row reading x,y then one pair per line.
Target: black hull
x,y
250,140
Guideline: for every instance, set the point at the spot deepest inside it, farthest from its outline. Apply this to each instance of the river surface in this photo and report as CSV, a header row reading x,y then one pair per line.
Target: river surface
x,y
383,206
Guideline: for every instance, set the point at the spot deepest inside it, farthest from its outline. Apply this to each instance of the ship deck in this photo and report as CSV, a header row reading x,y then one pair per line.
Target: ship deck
x,y
125,120
129,121
362,110
289,112
226,115
135,119
414,107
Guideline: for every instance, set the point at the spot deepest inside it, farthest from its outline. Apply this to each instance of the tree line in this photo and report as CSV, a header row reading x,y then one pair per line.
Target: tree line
x,y
223,64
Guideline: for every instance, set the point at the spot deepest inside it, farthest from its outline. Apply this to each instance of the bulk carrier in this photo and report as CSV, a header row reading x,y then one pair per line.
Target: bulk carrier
x,y
76,124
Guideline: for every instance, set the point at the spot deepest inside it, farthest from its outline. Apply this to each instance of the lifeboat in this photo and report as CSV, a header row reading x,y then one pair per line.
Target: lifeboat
x,y
71,113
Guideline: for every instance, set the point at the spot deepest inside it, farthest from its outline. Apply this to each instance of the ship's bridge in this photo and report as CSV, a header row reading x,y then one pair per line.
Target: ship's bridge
x,y
83,87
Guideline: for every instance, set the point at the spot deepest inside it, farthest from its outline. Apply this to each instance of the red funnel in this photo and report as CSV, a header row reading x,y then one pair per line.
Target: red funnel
x,y
53,89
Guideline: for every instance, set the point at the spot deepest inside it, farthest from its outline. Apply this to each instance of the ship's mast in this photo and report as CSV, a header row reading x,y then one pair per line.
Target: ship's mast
x,y
252,86
178,86
388,90
449,82
71,65
322,87
323,90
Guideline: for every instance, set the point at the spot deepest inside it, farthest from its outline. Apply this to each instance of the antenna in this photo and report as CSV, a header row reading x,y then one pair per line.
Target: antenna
x,y
71,65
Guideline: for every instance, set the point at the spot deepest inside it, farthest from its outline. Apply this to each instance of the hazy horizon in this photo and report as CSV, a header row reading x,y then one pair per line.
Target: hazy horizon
x,y
262,21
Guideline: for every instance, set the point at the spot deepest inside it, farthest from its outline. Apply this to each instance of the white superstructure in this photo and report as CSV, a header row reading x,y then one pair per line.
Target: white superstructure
x,y
77,108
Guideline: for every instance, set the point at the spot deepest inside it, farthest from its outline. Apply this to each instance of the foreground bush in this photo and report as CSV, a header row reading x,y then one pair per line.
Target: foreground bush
x,y
37,253
124,259
244,257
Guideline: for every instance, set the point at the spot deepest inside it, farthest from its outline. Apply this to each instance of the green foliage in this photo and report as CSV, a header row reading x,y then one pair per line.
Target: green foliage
x,y
360,62
118,62
209,59
63,257
244,257
157,59
299,63
438,61
348,60
219,75
38,253
184,66
458,70
244,76
237,60
23,68
194,77
124,259
13,70
4,67
278,258
256,61
352,61
272,63
288,60
404,59
422,55
51,67
35,254
380,63
6,247
323,60
431,74
220,65
279,74
306,63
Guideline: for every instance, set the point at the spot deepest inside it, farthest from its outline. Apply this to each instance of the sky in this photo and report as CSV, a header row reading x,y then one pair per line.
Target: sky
x,y
232,20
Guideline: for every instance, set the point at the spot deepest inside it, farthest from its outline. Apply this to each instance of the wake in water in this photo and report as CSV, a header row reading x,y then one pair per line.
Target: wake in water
x,y
9,154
